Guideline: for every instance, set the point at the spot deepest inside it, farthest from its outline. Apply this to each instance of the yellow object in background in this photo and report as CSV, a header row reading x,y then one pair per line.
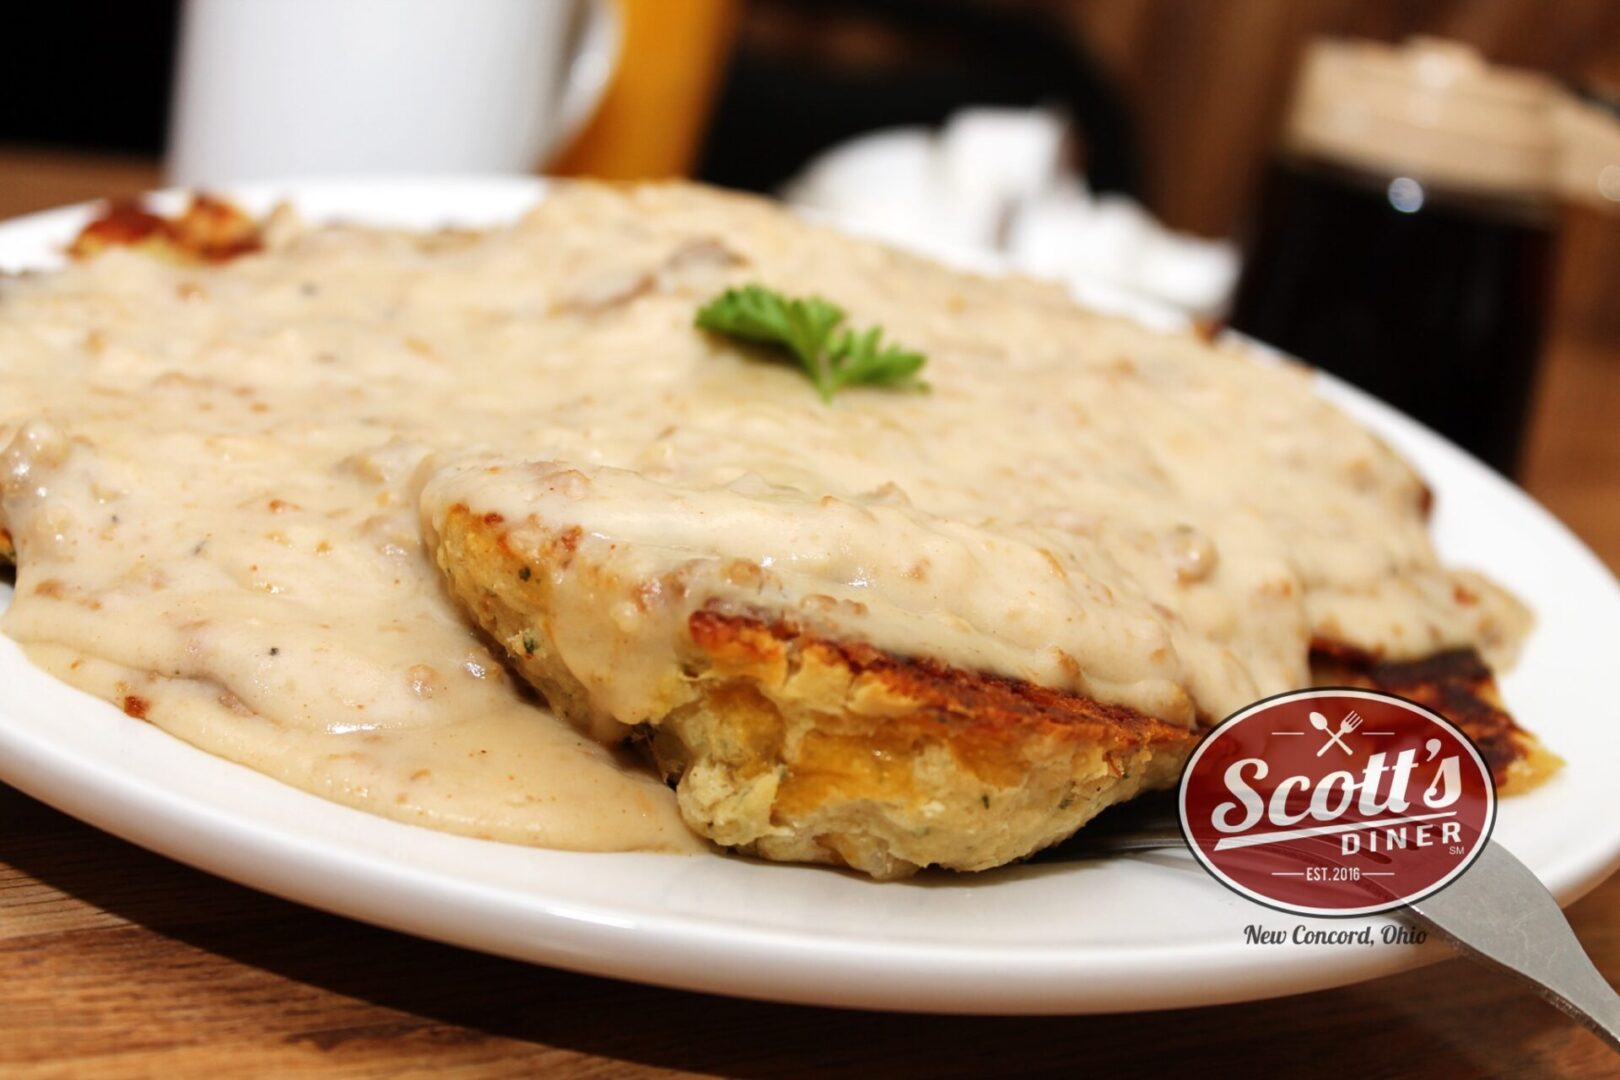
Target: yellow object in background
x,y
651,122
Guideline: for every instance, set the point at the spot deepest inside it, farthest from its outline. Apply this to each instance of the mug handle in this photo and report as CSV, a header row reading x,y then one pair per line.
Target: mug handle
x,y
596,55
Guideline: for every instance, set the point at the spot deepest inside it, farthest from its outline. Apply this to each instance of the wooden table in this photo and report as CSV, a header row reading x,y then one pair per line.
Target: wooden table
x,y
117,962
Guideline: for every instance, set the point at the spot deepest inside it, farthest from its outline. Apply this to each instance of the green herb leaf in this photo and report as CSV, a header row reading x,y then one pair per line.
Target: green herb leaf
x,y
807,330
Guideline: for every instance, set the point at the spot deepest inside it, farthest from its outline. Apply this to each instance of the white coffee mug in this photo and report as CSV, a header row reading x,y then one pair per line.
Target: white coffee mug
x,y
280,88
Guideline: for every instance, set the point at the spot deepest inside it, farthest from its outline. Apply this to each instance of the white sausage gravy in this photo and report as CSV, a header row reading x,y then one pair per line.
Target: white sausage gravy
x,y
212,477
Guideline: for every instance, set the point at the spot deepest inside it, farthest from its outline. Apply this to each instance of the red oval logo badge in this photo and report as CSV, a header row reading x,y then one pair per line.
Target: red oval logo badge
x,y
1336,802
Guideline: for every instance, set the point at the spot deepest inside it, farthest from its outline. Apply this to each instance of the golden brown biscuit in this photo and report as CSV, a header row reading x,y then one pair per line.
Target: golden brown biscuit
x,y
790,746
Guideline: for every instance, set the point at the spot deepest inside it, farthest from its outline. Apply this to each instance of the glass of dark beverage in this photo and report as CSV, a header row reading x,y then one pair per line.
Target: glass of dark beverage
x,y
1430,299
1404,236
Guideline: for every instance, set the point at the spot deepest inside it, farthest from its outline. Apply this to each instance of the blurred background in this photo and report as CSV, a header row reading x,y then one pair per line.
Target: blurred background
x,y
1420,195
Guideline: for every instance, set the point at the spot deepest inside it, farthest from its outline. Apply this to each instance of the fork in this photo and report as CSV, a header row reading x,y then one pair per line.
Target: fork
x,y
1497,913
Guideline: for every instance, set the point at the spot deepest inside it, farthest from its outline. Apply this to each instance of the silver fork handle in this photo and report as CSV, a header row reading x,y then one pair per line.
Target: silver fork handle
x,y
1496,913
1500,914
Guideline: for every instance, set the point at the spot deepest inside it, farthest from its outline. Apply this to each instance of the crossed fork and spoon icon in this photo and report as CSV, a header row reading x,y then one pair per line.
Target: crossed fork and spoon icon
x,y
1350,723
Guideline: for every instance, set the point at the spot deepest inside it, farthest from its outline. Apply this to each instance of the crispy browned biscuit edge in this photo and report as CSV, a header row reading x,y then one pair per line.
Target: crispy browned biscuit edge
x,y
1461,687
795,746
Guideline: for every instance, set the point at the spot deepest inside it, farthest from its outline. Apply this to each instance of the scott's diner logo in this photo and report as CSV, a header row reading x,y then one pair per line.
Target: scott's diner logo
x,y
1336,802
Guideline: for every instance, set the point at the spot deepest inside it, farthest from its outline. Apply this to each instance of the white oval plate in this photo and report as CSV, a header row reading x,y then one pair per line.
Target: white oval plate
x,y
1141,932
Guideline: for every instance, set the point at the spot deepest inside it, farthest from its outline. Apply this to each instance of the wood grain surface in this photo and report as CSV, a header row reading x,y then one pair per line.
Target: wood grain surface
x,y
118,963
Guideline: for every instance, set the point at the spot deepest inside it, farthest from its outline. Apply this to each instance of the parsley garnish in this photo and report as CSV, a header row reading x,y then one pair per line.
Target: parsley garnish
x,y
808,331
